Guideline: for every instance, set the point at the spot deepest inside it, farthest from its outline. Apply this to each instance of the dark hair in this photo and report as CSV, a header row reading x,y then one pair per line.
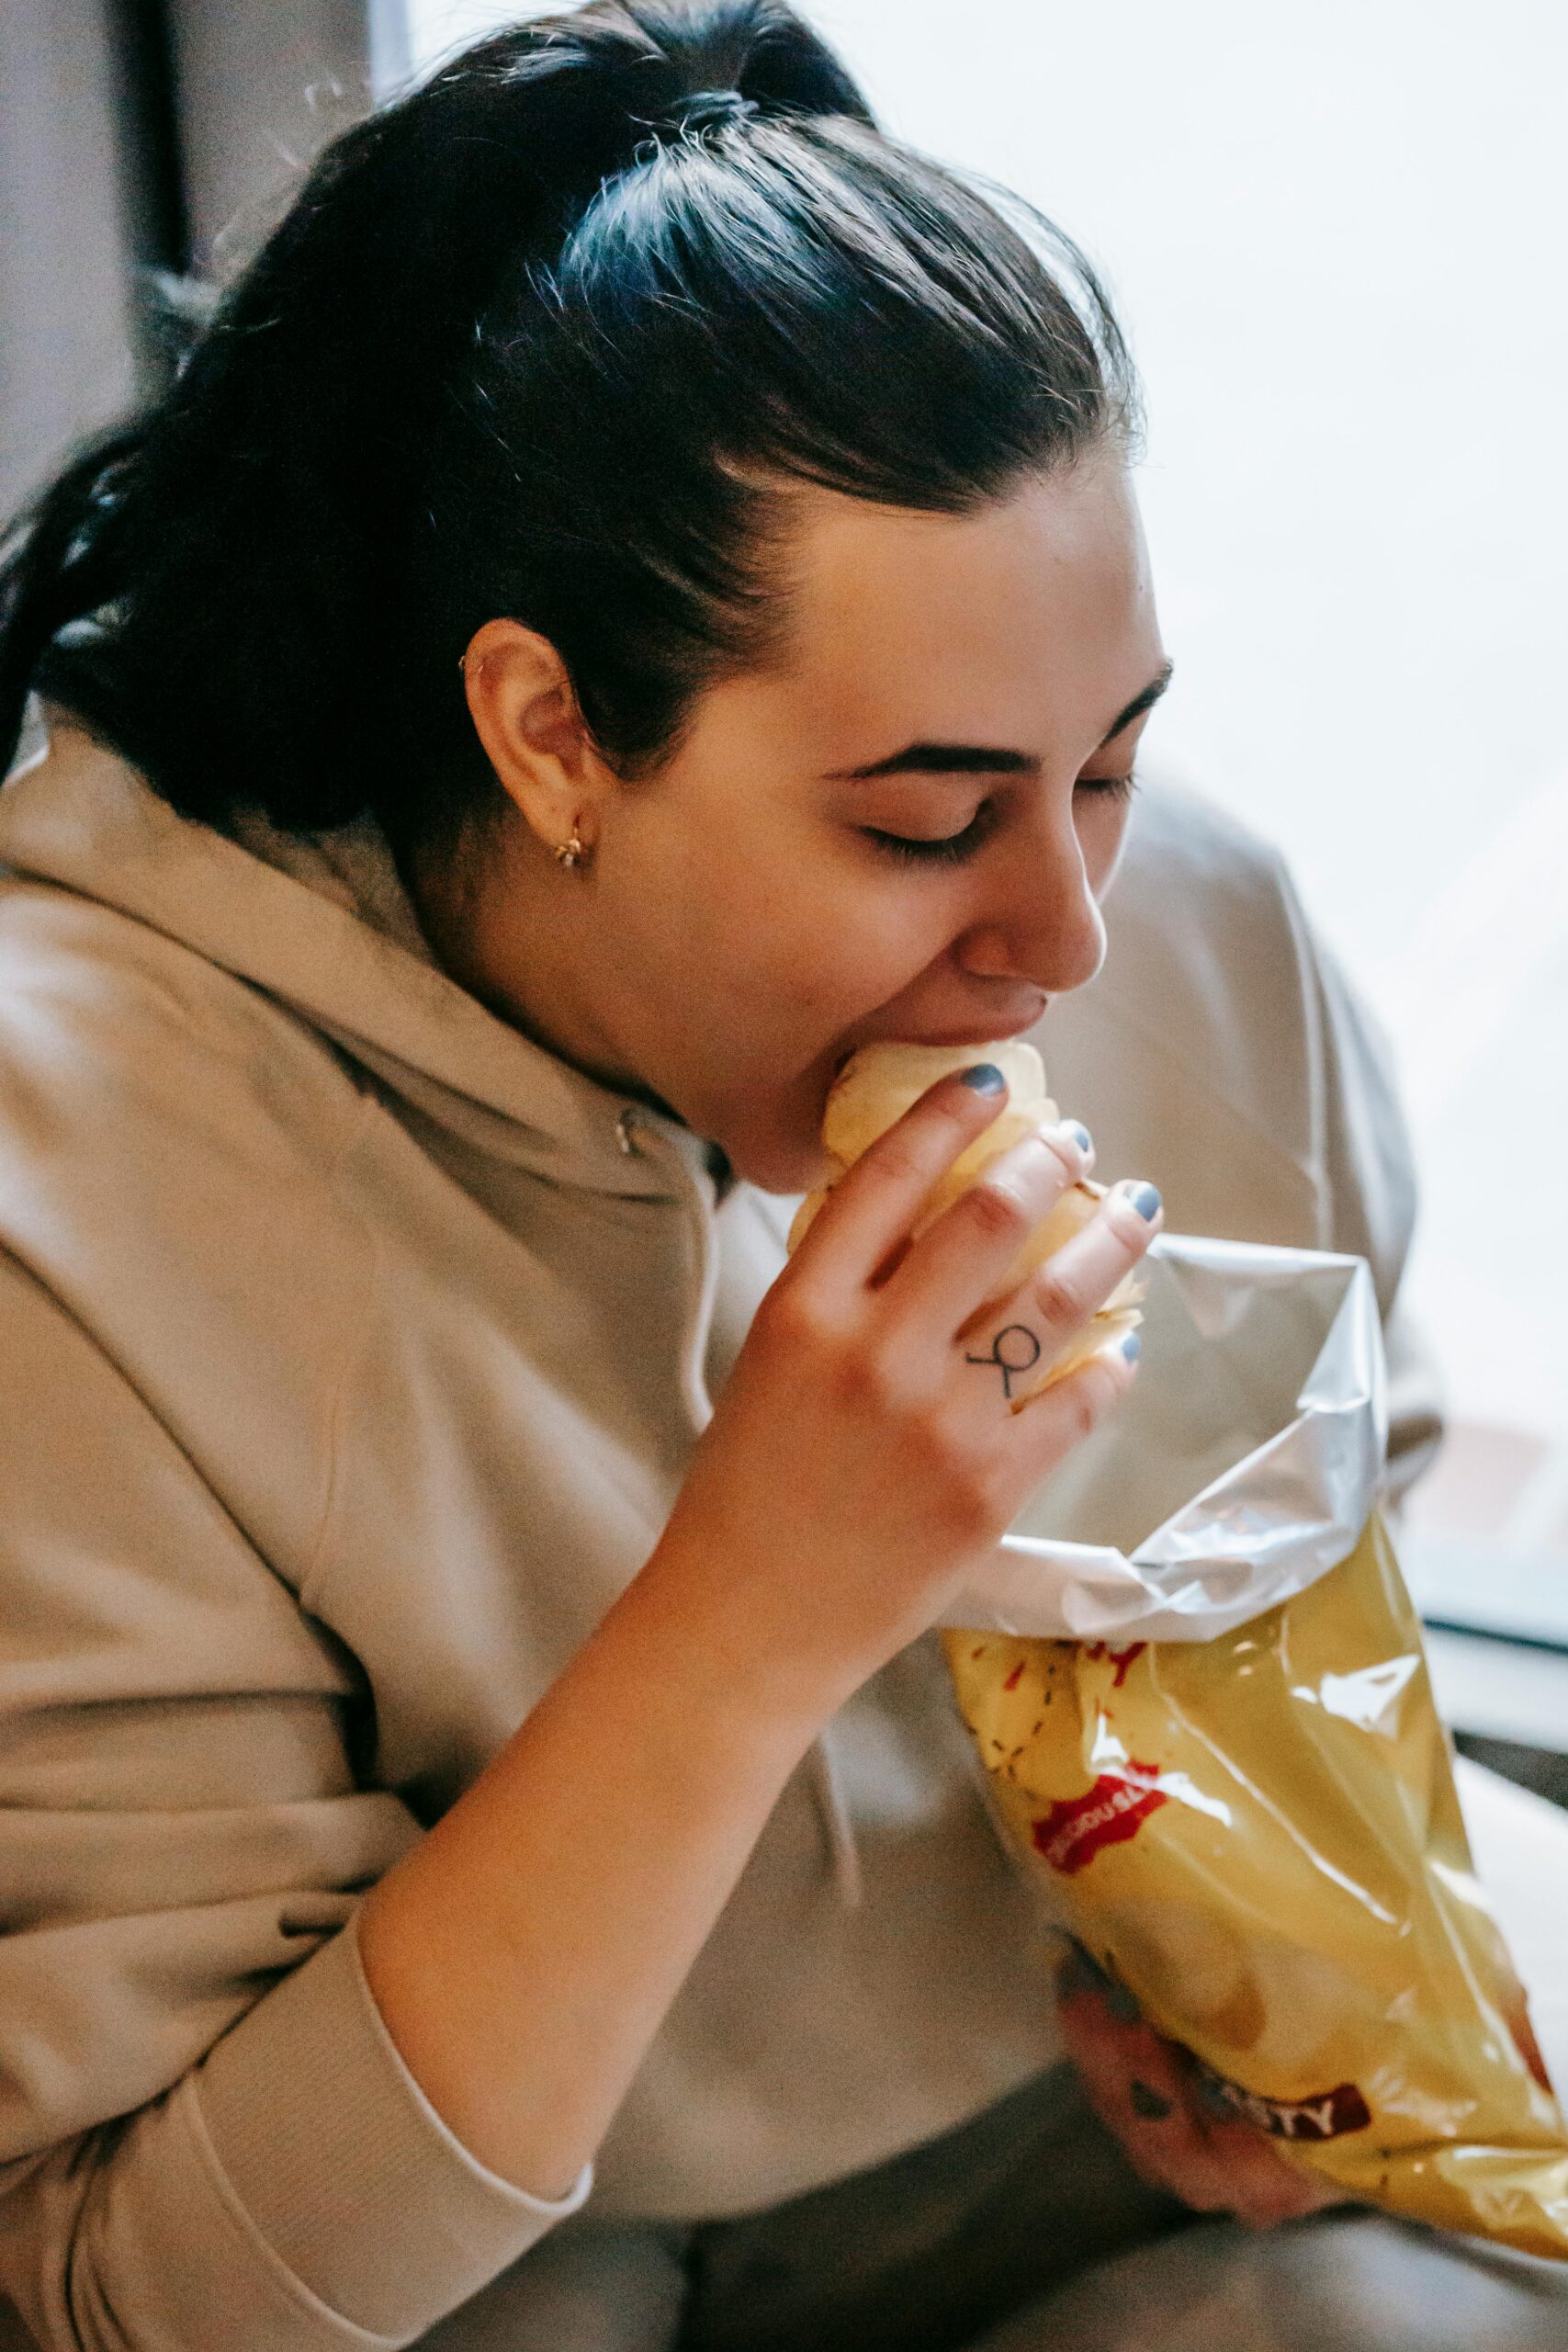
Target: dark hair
x,y
543,338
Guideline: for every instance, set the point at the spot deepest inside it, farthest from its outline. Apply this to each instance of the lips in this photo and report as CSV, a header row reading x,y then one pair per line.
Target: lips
x,y
996,1034
993,1033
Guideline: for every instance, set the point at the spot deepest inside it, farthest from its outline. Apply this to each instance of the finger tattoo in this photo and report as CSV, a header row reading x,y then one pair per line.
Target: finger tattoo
x,y
1014,1365
1152,2104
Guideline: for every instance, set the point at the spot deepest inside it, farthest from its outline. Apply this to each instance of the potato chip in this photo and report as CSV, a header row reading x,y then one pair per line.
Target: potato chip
x,y
880,1082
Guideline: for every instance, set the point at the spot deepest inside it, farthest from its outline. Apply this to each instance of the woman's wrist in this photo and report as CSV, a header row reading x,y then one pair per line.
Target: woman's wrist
x,y
754,1655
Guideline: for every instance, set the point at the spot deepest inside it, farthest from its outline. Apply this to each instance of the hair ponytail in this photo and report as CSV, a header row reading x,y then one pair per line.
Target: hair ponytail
x,y
524,343
57,566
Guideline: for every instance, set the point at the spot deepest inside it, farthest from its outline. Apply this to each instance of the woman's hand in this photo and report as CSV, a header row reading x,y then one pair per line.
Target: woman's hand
x,y
1150,2094
865,1450
523,1951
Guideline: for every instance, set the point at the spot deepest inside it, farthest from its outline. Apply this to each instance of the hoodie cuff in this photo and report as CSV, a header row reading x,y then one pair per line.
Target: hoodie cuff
x,y
342,2166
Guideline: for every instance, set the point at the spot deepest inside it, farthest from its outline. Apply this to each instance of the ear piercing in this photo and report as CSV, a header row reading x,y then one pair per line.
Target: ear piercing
x,y
567,854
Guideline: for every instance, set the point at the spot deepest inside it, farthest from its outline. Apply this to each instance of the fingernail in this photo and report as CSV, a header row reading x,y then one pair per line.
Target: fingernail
x,y
1146,1200
1213,2095
985,1077
1078,1971
1121,2004
1132,1347
1079,1134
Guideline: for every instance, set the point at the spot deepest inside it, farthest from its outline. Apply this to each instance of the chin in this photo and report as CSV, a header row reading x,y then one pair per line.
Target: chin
x,y
774,1140
780,1164
771,1131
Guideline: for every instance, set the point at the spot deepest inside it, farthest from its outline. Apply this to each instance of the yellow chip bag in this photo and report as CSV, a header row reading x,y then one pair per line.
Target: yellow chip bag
x,y
1260,1837
1255,1829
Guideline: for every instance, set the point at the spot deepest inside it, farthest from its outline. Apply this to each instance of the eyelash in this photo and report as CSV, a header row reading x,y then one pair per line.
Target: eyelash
x,y
952,849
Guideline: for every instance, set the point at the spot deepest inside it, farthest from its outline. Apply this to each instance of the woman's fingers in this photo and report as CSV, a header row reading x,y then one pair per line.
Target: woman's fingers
x,y
870,1210
1151,2094
1009,1350
868,1317
966,1254
1138,2089
1267,2189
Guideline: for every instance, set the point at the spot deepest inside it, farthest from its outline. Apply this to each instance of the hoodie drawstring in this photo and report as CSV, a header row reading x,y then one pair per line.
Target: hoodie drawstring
x,y
840,1830
632,1135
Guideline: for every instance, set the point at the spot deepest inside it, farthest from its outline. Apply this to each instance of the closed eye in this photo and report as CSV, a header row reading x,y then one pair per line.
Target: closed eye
x,y
947,849
951,849
1110,787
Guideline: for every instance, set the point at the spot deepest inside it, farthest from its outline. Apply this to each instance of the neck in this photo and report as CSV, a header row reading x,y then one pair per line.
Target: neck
x,y
497,921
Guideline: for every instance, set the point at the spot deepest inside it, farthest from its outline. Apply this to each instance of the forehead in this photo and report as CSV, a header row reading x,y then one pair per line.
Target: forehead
x,y
1034,614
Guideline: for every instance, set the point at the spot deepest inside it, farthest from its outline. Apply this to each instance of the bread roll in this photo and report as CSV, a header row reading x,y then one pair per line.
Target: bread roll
x,y
880,1082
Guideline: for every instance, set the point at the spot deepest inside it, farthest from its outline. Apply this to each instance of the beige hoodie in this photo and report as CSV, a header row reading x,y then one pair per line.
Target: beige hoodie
x,y
352,1350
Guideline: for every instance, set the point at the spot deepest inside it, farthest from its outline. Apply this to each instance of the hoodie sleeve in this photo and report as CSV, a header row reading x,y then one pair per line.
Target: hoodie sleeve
x,y
1371,1191
208,2141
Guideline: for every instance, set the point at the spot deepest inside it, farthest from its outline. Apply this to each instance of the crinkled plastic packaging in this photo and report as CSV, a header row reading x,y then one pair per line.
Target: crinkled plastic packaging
x,y
1258,1834
1196,1680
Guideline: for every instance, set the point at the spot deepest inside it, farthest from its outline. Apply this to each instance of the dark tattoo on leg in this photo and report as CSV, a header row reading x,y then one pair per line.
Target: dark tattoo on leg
x,y
1004,1364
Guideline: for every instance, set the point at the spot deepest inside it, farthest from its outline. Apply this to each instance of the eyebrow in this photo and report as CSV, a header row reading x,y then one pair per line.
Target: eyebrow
x,y
991,759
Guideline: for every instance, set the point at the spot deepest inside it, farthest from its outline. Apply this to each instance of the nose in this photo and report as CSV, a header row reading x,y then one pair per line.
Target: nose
x,y
1040,921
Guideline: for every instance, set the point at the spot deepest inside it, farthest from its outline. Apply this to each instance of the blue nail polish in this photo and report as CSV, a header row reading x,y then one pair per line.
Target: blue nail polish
x,y
1132,1347
1079,1973
1214,2095
1074,1980
985,1077
1122,2005
1080,1135
1146,1200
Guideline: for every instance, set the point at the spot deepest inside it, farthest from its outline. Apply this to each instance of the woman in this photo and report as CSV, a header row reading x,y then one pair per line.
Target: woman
x,y
637,594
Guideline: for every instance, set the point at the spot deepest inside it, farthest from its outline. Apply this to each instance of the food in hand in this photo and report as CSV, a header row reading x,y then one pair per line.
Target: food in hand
x,y
876,1088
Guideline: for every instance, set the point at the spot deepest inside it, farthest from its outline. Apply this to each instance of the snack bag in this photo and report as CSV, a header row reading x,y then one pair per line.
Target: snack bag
x,y
1260,1835
1197,1684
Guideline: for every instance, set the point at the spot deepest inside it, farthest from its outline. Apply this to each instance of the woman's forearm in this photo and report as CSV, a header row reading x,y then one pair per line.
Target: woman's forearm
x,y
524,1955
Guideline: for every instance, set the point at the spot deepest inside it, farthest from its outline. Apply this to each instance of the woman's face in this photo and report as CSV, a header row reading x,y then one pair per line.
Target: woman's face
x,y
898,829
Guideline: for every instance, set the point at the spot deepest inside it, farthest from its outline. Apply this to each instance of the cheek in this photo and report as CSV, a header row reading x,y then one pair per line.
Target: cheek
x,y
865,946
809,939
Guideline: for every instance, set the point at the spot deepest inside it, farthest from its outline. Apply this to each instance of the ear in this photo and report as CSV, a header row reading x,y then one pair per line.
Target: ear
x,y
525,711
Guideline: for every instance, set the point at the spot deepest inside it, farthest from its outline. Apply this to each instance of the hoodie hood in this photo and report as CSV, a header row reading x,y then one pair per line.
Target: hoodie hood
x,y
323,923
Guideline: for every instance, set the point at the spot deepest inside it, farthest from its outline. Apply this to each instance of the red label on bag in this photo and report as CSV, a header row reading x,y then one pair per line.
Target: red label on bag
x,y
1121,1659
1327,2117
1073,1832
